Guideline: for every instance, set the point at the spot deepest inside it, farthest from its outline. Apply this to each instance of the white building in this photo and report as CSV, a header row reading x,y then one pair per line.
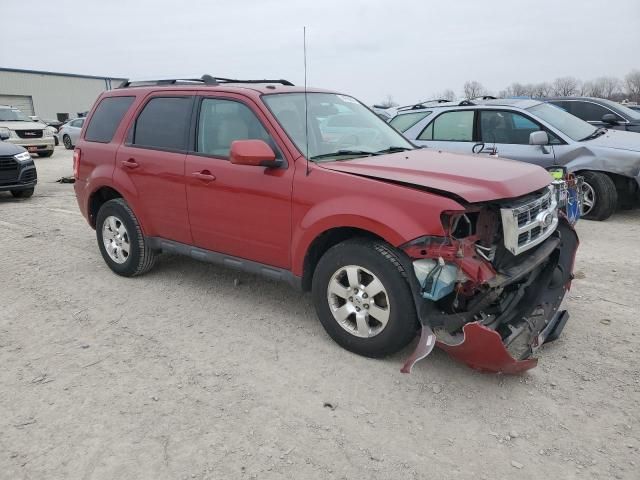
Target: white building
x,y
50,95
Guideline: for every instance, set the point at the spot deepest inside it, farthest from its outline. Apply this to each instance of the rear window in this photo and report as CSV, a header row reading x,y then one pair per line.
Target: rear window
x,y
404,122
163,123
106,118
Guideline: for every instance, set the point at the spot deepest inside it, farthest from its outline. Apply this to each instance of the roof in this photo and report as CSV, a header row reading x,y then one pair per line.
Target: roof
x,y
59,74
497,102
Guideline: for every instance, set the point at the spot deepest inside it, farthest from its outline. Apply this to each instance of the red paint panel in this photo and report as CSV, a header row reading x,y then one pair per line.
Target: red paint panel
x,y
482,349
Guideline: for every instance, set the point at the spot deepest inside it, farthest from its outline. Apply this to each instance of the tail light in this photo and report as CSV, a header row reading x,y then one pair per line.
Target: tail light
x,y
76,163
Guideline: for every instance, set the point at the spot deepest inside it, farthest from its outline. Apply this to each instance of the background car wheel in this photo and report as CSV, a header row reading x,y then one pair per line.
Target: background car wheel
x,y
45,154
66,140
22,193
121,241
600,196
362,298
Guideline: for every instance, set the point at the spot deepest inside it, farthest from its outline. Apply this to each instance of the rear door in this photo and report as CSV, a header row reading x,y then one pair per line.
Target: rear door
x,y
506,134
238,210
151,161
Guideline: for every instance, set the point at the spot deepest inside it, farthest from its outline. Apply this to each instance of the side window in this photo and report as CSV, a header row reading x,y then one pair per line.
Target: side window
x,y
223,121
506,127
163,123
80,123
454,126
404,122
106,118
566,106
588,111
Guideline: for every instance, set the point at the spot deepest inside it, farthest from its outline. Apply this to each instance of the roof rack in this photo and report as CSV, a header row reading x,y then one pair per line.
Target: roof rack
x,y
424,104
205,79
465,103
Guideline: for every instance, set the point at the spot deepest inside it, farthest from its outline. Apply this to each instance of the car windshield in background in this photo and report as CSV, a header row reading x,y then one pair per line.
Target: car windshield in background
x,y
404,122
339,126
571,126
13,115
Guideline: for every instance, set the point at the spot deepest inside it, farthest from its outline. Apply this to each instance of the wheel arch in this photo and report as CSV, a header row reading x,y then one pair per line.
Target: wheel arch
x,y
98,198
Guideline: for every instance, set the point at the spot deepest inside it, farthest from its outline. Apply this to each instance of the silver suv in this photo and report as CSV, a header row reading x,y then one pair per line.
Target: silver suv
x,y
21,130
534,132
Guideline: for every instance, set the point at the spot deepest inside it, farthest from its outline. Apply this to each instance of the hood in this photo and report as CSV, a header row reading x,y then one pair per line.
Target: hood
x,y
22,125
618,139
473,178
9,149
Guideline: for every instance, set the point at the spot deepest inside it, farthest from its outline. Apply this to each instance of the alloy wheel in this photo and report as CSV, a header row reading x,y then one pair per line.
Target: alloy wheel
x,y
116,239
358,301
588,199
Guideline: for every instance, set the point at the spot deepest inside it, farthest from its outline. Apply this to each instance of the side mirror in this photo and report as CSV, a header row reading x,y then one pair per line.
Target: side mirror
x,y
256,153
538,138
610,118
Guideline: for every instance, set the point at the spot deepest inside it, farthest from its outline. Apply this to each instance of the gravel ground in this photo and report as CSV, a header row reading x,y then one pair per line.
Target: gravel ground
x,y
187,373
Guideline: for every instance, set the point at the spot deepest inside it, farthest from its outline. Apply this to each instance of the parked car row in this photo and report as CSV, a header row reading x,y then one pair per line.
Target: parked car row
x,y
21,130
604,151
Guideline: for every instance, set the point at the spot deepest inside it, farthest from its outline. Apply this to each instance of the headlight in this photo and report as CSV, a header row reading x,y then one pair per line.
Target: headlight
x,y
22,157
50,131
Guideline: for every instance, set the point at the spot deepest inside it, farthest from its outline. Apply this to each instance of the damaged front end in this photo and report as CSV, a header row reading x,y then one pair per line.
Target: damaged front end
x,y
489,291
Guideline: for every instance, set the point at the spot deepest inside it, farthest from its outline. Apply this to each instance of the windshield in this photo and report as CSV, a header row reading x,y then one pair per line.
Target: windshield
x,y
13,115
628,112
571,126
338,125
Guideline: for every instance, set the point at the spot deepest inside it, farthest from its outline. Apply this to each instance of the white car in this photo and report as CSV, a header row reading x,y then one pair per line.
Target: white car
x,y
70,132
21,130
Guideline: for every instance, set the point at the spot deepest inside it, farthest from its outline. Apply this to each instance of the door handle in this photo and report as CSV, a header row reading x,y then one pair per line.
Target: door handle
x,y
130,163
204,175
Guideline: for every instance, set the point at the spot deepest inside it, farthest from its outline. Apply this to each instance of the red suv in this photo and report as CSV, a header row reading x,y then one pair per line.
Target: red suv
x,y
311,187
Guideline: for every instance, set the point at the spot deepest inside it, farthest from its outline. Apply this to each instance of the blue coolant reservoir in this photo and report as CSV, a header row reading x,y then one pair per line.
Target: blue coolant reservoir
x,y
436,277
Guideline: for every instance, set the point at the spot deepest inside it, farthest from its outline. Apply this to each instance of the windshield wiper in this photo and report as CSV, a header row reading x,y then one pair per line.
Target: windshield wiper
x,y
394,150
342,153
595,134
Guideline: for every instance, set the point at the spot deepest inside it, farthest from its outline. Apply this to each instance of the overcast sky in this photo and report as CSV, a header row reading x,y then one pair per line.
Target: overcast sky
x,y
368,48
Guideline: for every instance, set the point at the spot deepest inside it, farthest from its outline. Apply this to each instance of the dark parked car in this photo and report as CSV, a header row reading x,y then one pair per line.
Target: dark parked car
x,y
600,112
17,170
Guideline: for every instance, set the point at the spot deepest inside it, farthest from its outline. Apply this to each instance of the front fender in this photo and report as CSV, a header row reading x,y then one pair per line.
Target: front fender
x,y
378,216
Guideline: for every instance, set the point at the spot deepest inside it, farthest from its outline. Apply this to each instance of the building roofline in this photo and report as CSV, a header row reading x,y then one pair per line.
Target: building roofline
x,y
59,74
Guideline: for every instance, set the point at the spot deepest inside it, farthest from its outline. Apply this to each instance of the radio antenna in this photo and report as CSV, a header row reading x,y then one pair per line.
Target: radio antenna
x,y
306,104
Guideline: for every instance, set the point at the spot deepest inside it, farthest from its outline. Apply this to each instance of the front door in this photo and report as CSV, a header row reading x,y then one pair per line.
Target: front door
x,y
151,162
506,134
239,210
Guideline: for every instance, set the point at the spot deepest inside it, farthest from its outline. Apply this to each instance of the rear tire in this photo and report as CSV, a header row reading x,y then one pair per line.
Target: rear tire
x,y
22,193
121,241
605,195
373,261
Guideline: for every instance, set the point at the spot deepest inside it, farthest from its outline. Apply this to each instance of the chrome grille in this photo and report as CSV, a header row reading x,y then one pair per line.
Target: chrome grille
x,y
29,133
526,225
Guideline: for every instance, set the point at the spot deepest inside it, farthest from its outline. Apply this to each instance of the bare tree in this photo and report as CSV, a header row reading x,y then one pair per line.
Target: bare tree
x,y
448,94
603,87
541,90
566,86
473,89
632,84
388,102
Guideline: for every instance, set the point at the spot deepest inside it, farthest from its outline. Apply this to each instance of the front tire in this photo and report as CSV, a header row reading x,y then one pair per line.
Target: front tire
x,y
121,241
23,193
363,299
600,196
66,140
